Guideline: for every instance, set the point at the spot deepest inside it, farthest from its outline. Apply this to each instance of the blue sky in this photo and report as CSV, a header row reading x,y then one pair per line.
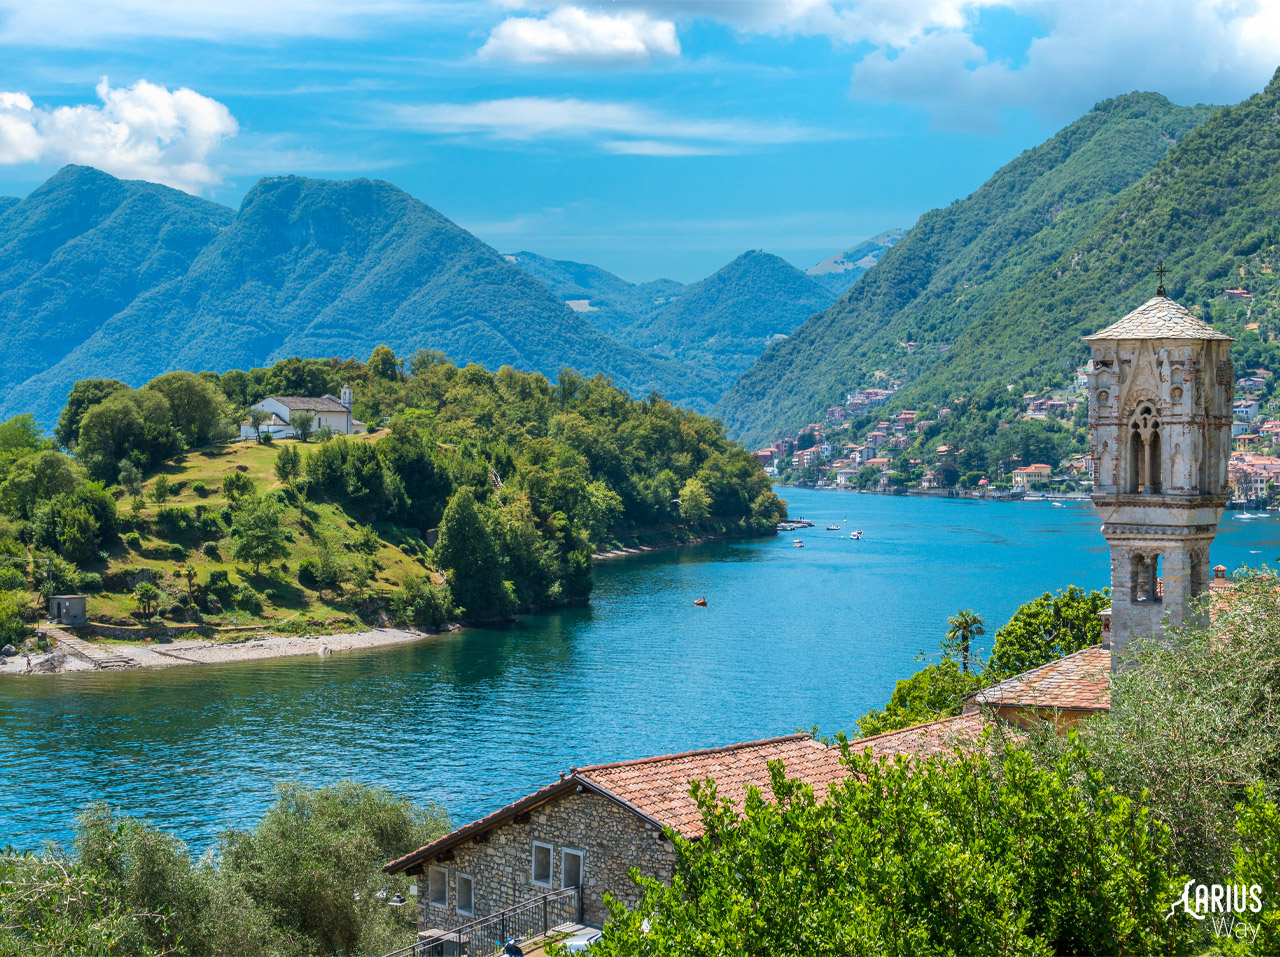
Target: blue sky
x,y
651,137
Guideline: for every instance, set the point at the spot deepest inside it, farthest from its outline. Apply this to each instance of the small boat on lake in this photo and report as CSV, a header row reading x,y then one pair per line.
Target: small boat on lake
x,y
796,543
700,602
833,528
856,534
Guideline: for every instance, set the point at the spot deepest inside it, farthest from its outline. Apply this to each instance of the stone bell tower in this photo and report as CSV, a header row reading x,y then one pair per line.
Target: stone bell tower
x,y
1160,391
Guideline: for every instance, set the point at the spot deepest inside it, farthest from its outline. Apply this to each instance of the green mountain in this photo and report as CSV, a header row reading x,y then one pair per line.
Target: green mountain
x,y
724,322
958,265
1210,211
100,277
842,270
77,251
608,302
719,325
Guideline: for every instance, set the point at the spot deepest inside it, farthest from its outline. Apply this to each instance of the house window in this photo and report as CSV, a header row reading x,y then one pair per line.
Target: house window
x,y
438,887
542,863
570,868
466,895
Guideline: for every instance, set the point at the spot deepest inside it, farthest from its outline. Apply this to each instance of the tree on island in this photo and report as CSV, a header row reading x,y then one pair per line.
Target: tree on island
x,y
695,503
302,423
466,551
161,489
288,464
259,537
130,478
145,595
256,418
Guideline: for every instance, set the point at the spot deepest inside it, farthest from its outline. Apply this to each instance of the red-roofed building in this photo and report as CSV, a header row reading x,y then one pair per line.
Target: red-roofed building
x,y
588,829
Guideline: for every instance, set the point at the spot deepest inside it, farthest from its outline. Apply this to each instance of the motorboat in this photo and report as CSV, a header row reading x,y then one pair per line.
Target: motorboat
x,y
700,602
833,528
796,543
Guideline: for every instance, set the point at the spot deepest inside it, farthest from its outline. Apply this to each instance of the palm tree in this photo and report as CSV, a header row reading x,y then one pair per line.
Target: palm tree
x,y
146,595
962,628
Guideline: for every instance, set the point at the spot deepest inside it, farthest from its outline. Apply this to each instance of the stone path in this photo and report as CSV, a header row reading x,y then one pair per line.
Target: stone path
x,y
102,658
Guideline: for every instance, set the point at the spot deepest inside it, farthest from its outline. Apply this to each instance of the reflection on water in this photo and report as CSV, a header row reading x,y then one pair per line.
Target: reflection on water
x,y
791,638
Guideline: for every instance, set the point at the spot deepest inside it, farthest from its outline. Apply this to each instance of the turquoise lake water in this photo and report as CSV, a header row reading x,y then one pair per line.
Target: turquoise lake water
x,y
792,637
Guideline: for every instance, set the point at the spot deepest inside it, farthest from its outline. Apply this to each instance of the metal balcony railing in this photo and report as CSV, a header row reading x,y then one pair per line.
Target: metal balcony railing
x,y
486,936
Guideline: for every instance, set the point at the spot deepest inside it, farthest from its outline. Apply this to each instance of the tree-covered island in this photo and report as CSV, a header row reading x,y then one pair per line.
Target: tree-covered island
x,y
470,495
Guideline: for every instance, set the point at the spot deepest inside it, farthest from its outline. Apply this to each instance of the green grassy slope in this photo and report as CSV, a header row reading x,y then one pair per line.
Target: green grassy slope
x,y
956,264
842,270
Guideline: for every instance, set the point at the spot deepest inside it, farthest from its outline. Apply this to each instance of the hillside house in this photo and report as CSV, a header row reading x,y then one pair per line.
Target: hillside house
x,y
1251,383
1246,409
325,411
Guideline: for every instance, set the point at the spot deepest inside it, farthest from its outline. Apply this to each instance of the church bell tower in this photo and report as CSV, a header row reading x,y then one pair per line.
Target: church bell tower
x,y
1160,392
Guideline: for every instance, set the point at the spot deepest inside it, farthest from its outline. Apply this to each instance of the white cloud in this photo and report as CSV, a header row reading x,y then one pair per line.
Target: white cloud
x,y
1190,51
576,36
893,22
646,131
140,132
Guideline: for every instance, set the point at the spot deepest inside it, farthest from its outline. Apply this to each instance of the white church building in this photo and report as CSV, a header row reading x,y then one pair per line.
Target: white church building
x,y
325,411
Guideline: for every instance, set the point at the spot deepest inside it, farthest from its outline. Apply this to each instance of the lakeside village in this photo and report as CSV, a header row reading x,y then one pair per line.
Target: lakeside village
x,y
899,454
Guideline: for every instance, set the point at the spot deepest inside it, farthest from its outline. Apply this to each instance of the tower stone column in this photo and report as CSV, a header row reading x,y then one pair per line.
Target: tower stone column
x,y
1160,391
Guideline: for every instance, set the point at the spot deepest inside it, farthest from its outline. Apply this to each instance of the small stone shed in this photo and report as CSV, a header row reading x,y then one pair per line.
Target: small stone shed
x,y
593,825
69,609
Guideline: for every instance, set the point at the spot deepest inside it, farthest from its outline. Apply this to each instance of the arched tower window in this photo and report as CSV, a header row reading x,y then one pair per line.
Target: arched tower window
x,y
1144,451
1144,578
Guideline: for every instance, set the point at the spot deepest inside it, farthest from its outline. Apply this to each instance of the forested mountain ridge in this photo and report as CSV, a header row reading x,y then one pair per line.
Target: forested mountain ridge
x,y
608,302
78,250
305,267
1210,211
842,270
957,263
719,324
725,321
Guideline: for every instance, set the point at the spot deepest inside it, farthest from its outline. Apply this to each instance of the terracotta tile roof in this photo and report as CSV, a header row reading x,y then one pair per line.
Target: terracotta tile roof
x,y
501,816
930,740
1159,318
1078,682
659,787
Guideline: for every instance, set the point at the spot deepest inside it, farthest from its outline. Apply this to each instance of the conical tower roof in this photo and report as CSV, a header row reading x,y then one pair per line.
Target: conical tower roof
x,y
1159,318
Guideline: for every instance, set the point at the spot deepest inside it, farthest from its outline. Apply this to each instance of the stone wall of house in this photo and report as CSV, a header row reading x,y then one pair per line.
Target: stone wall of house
x,y
612,839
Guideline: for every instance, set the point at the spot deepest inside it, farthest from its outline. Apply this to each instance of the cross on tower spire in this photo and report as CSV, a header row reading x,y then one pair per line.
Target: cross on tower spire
x,y
1160,274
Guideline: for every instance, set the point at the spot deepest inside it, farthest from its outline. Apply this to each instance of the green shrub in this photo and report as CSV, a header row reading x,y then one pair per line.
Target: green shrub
x,y
246,599
90,583
12,579
422,603
199,489
269,596
209,549
133,540
307,572
177,552
968,855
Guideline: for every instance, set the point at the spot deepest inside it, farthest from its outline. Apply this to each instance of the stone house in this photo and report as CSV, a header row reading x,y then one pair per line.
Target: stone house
x,y
588,829
326,410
